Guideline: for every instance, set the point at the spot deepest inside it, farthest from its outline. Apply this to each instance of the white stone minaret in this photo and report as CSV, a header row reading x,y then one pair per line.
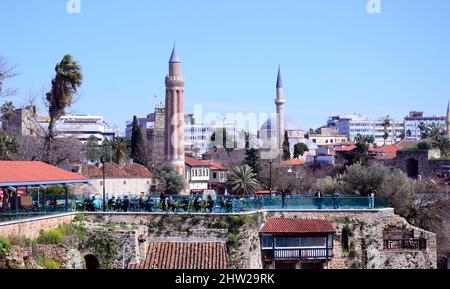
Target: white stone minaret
x,y
174,123
280,101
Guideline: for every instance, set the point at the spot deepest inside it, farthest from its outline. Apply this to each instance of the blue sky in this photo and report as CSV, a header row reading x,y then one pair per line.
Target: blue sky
x,y
335,57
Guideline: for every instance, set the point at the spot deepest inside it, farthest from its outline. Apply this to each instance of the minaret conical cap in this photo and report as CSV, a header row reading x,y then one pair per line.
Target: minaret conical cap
x,y
279,80
174,57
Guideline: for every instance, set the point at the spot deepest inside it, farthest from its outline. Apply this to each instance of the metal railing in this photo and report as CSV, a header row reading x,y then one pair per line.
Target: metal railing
x,y
405,244
298,254
189,204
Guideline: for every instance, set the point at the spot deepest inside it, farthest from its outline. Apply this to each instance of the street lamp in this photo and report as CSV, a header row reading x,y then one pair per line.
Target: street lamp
x,y
270,173
103,161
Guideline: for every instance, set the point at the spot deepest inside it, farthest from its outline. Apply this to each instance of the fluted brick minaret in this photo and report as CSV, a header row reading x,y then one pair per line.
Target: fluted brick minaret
x,y
174,131
448,120
280,101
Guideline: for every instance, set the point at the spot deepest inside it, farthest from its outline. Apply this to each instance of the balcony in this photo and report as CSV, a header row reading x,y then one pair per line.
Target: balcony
x,y
405,244
298,254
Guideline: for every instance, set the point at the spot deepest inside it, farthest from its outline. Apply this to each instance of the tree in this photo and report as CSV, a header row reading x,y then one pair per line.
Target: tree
x,y
253,160
299,150
8,147
7,111
386,125
364,179
93,151
120,150
366,139
138,153
326,185
286,147
169,180
222,139
64,86
6,71
242,181
360,154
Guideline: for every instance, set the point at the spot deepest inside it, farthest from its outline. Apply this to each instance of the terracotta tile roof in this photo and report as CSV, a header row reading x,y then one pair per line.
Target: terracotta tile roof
x,y
196,163
346,149
137,170
291,163
12,172
185,256
297,226
387,152
217,167
91,171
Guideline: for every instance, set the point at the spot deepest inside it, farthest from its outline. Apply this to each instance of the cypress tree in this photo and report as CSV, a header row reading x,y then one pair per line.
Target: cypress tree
x,y
138,153
286,147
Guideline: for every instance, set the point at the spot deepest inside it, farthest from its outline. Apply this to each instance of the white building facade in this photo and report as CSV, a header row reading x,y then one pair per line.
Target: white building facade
x,y
415,118
353,125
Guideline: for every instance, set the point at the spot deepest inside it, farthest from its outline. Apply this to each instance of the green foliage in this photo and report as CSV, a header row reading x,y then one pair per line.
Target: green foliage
x,y
61,234
93,150
423,145
242,180
169,181
286,147
232,241
222,139
53,236
349,231
365,139
8,147
299,150
253,160
79,218
48,264
365,179
355,265
352,251
326,185
5,246
358,154
138,152
105,246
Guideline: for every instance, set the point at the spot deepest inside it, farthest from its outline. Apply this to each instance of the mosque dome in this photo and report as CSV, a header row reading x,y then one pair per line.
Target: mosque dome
x,y
289,124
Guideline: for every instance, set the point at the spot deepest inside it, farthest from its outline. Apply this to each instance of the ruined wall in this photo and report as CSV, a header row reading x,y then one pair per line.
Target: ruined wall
x,y
244,247
31,228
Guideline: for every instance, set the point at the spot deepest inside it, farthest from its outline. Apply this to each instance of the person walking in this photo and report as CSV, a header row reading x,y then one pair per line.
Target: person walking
x,y
283,200
372,200
319,199
335,196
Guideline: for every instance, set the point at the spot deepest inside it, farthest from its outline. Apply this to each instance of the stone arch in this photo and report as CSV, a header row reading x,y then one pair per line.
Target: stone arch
x,y
412,168
92,262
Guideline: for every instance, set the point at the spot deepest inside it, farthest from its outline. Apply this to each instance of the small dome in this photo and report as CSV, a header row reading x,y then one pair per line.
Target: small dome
x,y
289,124
310,144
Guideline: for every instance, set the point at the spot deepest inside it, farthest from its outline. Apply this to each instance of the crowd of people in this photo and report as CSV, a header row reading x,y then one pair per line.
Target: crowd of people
x,y
199,203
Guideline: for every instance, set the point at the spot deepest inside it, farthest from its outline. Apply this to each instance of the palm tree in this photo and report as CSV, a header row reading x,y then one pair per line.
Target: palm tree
x,y
242,180
64,86
7,110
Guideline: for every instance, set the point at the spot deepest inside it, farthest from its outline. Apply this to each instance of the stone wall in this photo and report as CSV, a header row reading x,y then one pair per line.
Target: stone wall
x,y
367,228
31,228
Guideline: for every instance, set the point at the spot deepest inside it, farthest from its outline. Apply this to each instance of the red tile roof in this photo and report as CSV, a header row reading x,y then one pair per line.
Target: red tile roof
x,y
196,163
346,149
297,226
387,152
137,170
185,256
13,172
91,171
292,163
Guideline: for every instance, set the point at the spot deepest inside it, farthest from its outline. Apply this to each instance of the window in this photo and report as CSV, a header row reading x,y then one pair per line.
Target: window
x,y
309,242
215,175
267,242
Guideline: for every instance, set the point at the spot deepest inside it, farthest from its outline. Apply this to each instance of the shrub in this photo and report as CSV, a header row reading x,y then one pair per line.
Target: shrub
x,y
355,265
53,236
5,246
79,218
424,145
49,264
232,241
